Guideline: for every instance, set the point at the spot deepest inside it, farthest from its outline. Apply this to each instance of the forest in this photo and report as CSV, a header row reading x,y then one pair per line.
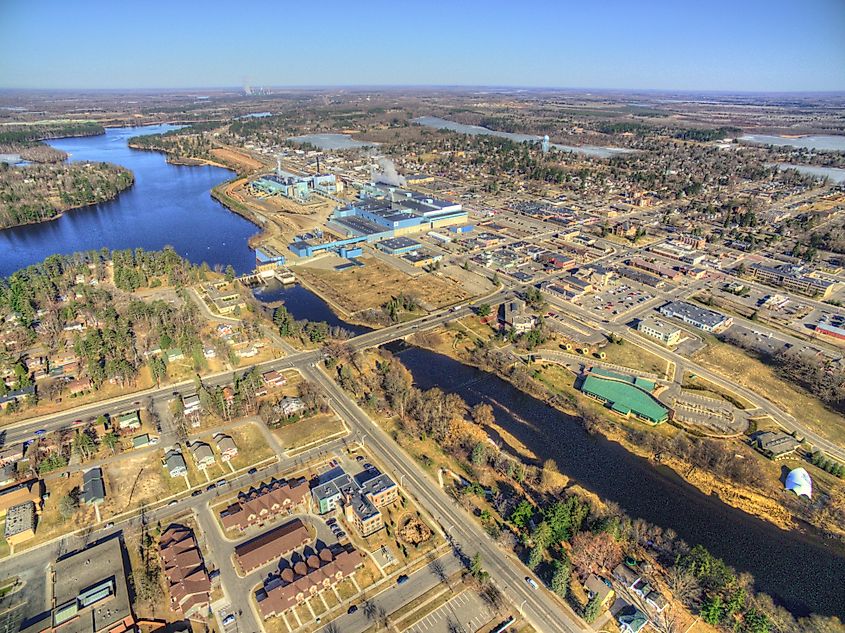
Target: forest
x,y
120,328
40,192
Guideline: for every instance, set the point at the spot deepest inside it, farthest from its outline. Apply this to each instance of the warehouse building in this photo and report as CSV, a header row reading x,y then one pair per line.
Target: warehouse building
x,y
399,245
703,319
393,213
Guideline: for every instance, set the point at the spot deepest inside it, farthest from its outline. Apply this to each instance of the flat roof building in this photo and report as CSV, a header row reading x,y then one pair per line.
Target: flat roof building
x,y
661,330
702,318
89,593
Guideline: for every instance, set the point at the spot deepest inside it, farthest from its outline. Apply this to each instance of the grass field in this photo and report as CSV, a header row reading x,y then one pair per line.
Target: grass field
x,y
309,430
374,283
635,357
749,372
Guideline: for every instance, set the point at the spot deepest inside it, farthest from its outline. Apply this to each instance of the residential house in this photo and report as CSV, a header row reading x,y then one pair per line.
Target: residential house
x,y
303,579
129,420
271,545
190,404
78,386
289,406
626,576
203,455
226,445
175,464
273,378
599,589
264,502
631,620
11,454
93,487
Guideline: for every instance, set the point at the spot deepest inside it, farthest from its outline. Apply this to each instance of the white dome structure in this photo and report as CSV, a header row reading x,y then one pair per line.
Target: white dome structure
x,y
799,482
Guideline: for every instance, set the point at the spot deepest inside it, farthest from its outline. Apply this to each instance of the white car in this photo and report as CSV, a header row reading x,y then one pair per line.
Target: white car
x,y
532,583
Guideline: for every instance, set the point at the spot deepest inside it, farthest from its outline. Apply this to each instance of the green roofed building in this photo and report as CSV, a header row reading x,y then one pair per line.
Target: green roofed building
x,y
625,394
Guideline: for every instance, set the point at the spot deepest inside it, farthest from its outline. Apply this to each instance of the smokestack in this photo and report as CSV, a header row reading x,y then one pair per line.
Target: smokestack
x,y
279,166
318,165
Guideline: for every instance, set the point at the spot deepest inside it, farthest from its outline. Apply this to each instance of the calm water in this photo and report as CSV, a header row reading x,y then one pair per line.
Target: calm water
x,y
822,142
304,304
331,141
805,573
476,130
168,205
834,173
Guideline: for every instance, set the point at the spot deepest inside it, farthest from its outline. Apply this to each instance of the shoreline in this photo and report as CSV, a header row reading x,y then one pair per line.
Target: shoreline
x,y
743,499
61,212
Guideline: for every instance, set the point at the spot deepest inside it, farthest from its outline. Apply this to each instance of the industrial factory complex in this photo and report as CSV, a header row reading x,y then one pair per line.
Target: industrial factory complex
x,y
382,213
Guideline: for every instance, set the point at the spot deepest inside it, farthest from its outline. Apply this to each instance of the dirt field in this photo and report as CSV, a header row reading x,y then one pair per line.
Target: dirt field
x,y
752,374
244,162
374,283
135,480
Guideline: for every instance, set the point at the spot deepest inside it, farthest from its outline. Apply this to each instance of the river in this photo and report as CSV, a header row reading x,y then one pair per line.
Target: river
x,y
824,142
167,205
475,130
804,573
171,205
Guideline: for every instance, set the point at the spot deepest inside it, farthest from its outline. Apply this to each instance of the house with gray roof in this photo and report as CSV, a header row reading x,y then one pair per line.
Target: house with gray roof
x,y
174,463
93,487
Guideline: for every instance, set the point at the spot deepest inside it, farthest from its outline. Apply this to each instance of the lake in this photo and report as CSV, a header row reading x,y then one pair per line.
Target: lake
x,y
828,143
477,130
331,141
803,572
834,173
167,205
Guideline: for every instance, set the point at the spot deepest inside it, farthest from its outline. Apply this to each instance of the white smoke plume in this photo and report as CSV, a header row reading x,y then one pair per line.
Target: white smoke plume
x,y
388,174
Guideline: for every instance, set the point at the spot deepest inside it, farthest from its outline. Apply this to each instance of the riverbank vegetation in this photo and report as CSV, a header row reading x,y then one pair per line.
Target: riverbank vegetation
x,y
560,531
37,193
183,143
25,140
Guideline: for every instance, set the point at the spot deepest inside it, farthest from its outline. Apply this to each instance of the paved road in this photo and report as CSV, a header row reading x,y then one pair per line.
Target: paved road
x,y
25,429
397,596
543,611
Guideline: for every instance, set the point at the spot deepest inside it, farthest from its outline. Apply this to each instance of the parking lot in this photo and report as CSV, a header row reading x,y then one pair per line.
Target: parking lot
x,y
617,300
465,612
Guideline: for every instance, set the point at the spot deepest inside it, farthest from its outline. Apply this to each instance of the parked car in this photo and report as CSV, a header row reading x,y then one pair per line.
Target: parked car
x,y
352,609
196,493
359,458
532,583
229,619
401,580
222,482
368,465
252,471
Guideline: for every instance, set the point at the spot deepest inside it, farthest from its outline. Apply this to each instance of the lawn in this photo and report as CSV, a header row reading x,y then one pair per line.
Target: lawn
x,y
252,447
753,374
634,357
137,480
310,430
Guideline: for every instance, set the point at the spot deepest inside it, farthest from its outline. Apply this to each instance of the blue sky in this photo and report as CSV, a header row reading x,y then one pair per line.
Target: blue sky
x,y
736,45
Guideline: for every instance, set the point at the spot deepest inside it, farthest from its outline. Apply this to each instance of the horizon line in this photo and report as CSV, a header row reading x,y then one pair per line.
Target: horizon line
x,y
365,86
